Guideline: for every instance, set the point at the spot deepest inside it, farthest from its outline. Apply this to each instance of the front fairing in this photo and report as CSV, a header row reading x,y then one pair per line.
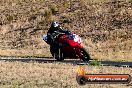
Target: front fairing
x,y
73,43
75,40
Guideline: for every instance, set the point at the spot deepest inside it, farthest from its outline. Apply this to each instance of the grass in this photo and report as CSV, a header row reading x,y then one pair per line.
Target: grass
x,y
55,75
95,1
82,19
82,14
95,63
54,9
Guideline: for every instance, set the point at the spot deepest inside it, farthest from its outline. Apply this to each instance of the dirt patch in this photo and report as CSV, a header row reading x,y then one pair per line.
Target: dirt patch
x,y
106,32
45,75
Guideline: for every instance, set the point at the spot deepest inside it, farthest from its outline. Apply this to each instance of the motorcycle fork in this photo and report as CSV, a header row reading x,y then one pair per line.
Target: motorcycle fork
x,y
77,51
60,53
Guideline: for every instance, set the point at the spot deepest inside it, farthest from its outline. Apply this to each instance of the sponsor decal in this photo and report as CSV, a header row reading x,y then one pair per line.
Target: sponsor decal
x,y
83,78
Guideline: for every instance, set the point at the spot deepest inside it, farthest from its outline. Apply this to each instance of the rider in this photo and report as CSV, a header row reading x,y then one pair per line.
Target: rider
x,y
54,29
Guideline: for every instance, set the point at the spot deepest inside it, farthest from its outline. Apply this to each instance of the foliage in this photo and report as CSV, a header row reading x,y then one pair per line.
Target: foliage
x,y
95,63
54,9
10,18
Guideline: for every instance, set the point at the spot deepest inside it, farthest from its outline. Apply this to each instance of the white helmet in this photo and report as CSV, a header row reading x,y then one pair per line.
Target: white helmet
x,y
55,24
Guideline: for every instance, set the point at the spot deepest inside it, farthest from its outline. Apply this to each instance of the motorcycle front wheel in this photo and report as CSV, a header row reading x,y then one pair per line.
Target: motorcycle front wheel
x,y
84,55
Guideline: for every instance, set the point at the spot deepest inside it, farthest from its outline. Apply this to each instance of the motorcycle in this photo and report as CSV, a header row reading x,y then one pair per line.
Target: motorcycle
x,y
73,47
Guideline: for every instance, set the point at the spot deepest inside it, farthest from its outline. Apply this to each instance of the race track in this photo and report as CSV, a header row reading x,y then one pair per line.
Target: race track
x,y
72,61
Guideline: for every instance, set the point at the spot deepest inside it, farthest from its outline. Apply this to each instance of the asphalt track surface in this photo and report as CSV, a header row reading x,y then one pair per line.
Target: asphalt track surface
x,y
72,61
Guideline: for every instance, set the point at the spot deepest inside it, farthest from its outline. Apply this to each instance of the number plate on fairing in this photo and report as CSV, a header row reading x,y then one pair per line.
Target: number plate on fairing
x,y
77,38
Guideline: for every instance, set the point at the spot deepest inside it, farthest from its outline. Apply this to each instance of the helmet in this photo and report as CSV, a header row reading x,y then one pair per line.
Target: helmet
x,y
55,24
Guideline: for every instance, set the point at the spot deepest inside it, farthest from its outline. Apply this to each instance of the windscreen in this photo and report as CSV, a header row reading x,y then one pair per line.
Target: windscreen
x,y
71,36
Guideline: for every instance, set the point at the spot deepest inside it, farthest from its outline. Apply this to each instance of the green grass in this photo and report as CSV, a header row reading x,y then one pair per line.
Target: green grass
x,y
95,63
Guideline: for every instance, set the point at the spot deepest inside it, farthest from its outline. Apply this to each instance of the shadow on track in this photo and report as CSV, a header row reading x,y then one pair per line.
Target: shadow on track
x,y
41,60
71,61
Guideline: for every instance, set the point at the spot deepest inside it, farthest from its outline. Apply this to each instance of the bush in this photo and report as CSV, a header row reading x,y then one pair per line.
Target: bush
x,y
54,9
10,18
95,63
48,14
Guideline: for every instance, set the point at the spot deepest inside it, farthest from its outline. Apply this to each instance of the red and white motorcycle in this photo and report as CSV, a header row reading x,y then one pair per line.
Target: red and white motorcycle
x,y
73,47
